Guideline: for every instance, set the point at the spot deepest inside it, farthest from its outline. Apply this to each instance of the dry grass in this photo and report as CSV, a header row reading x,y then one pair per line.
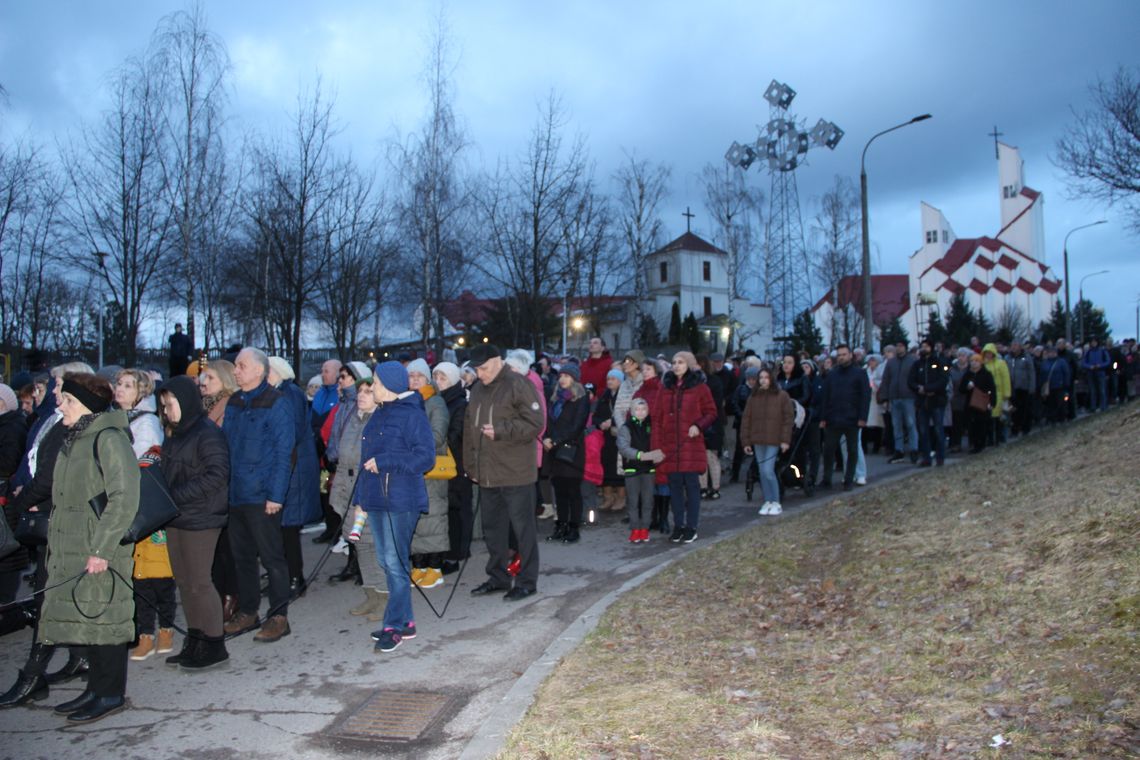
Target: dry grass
x,y
1001,596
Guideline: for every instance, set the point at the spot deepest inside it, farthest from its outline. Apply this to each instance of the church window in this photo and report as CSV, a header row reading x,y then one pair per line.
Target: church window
x,y
708,306
932,236
945,236
707,271
664,271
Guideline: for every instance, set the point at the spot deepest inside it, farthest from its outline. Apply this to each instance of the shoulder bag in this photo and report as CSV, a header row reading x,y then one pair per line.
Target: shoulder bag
x,y
445,467
979,400
156,505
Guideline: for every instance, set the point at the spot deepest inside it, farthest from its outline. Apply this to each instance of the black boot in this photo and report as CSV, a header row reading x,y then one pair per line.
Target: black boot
x,y
31,684
210,652
297,588
351,568
75,667
328,534
570,536
559,531
189,644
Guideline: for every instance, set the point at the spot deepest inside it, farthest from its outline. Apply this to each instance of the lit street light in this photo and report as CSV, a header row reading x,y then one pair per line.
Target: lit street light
x,y
1068,309
1081,297
868,312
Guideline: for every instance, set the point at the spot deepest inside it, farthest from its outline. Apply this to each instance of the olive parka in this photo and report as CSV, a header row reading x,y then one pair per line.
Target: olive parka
x,y
95,609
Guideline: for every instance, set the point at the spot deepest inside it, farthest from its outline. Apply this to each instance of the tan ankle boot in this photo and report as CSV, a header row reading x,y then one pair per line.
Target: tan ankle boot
x,y
165,641
144,649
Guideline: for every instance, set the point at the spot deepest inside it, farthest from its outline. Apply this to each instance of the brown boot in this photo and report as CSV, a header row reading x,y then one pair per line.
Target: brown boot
x,y
619,498
165,642
144,649
229,608
240,623
273,629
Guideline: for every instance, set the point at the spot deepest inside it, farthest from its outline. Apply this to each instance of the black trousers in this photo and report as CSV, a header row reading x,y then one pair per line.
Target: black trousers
x,y
291,543
107,676
254,536
154,597
460,517
568,498
831,436
507,509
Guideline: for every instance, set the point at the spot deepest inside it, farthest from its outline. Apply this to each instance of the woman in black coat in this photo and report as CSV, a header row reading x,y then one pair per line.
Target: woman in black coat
x,y
13,438
196,462
978,420
460,512
565,458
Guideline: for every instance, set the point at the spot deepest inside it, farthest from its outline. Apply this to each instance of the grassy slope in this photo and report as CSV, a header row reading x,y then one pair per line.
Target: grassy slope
x,y
917,619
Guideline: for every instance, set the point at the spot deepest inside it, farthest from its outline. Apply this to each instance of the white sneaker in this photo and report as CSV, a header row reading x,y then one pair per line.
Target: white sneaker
x,y
775,509
548,511
860,481
766,508
341,546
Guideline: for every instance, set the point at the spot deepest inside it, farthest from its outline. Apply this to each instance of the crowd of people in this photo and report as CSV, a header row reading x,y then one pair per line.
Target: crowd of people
x,y
400,458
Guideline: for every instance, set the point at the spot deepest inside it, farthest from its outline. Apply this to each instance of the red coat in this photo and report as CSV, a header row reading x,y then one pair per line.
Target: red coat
x,y
595,371
677,407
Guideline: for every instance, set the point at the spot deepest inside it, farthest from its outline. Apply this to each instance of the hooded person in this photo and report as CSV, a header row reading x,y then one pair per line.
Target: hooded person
x,y
196,463
999,370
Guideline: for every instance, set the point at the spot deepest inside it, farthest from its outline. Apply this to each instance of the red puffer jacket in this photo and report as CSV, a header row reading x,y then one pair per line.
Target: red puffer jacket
x,y
677,407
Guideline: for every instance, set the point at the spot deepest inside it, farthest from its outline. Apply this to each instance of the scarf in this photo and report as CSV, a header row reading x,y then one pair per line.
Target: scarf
x,y
73,432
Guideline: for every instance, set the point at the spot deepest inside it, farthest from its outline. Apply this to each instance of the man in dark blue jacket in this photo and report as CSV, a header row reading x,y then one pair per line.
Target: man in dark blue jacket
x,y
928,380
844,406
1095,363
259,429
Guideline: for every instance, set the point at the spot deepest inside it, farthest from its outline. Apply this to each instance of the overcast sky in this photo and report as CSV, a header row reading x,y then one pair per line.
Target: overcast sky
x,y
675,82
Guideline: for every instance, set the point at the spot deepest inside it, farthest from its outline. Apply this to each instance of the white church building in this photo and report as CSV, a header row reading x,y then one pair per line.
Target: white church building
x,y
993,273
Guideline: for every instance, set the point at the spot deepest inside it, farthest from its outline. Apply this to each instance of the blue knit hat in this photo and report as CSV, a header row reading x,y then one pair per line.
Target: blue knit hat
x,y
616,373
392,376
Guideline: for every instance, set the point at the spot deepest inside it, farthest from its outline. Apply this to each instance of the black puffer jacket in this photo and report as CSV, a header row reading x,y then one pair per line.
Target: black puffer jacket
x,y
196,462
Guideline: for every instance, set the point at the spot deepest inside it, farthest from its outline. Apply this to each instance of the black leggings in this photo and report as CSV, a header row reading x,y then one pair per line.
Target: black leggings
x,y
568,498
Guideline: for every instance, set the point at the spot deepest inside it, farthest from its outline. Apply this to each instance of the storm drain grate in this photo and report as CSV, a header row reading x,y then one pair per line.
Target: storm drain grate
x,y
394,716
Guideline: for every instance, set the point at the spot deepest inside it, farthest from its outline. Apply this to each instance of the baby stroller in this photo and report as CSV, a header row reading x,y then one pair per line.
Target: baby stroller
x,y
790,465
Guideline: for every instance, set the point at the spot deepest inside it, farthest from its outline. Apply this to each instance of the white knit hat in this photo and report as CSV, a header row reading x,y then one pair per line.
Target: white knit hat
x,y
282,368
358,370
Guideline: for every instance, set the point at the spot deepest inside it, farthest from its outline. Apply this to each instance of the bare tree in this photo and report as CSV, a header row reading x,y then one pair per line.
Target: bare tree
x,y
434,203
835,239
193,64
641,188
119,196
296,188
729,201
1100,151
594,264
524,209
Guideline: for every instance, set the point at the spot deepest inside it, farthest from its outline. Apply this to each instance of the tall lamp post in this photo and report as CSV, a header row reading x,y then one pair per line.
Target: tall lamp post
x,y
102,257
1081,297
1065,253
868,312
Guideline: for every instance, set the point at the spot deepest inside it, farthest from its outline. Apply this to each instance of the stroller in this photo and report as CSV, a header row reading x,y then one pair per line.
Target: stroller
x,y
790,465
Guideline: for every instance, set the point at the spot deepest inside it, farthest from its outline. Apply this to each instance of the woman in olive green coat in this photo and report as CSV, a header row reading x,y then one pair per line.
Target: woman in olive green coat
x,y
95,612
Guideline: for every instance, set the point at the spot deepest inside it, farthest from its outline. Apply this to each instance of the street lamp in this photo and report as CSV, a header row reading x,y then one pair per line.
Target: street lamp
x,y
1081,297
868,313
1068,310
102,257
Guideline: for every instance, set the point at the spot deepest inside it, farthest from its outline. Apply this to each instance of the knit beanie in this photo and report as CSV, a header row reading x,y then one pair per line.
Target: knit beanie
x,y
571,369
282,368
616,373
392,376
690,360
358,370
8,396
450,370
420,366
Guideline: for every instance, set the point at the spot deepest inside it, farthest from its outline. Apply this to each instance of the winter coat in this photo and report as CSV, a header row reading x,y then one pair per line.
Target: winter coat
x,y
957,400
146,430
648,389
260,433
13,439
895,376
323,403
603,412
875,410
399,437
456,399
634,439
336,422
196,462
928,380
343,483
1022,373
1056,373
151,557
983,380
1094,360
303,500
714,433
431,534
1000,372
625,394
566,427
846,397
75,534
594,371
511,404
768,418
679,406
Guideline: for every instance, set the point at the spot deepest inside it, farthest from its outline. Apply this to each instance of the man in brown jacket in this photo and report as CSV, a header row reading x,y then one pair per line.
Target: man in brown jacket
x,y
502,420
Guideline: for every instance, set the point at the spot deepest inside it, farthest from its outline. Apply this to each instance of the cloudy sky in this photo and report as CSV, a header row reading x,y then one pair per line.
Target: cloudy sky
x,y
675,82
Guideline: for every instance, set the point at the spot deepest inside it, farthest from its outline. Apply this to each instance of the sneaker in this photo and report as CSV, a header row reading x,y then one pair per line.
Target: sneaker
x,y
775,509
164,643
547,512
407,632
340,547
416,574
678,534
430,577
644,536
690,536
634,536
860,481
765,508
389,639
144,649
714,494
896,459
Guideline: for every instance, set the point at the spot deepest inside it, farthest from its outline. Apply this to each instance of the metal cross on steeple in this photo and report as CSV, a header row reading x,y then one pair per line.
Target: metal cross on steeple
x,y
688,219
995,134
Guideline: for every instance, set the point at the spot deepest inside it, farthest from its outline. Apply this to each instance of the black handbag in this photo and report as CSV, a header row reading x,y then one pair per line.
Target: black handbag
x,y
32,528
566,452
156,505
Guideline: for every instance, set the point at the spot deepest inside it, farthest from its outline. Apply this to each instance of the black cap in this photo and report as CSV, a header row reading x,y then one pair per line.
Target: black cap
x,y
481,353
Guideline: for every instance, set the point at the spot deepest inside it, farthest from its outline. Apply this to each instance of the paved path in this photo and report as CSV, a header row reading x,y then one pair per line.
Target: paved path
x,y
286,699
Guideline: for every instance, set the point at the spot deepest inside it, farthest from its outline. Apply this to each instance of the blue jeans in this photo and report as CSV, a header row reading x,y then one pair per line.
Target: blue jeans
x,y
392,532
685,495
902,418
1098,391
931,436
766,462
860,460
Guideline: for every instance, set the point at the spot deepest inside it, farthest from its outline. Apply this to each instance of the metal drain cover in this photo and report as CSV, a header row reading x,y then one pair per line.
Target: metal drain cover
x,y
393,716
